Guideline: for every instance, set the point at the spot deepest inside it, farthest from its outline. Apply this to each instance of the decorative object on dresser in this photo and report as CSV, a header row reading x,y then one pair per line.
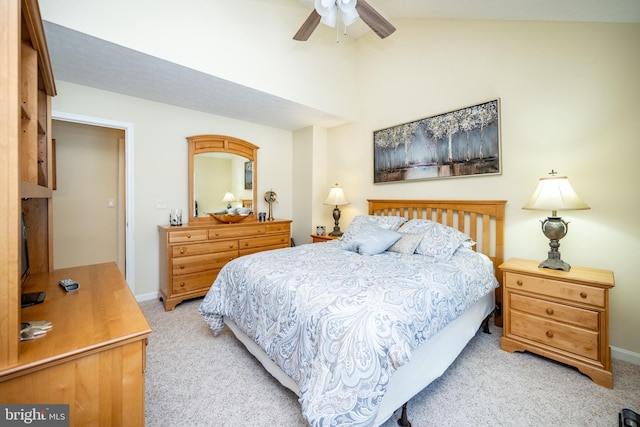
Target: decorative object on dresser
x,y
270,197
320,230
562,315
337,198
555,193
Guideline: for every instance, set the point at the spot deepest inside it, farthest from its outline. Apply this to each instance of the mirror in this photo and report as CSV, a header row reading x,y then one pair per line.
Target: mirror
x,y
218,165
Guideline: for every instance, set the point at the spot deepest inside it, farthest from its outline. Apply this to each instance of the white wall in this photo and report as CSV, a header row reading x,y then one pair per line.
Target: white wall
x,y
227,39
160,161
569,96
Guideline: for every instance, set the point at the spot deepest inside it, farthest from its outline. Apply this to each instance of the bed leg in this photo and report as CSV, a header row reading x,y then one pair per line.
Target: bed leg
x,y
404,420
485,324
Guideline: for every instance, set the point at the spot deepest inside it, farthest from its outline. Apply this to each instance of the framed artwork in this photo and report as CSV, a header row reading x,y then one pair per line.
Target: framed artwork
x,y
464,142
248,175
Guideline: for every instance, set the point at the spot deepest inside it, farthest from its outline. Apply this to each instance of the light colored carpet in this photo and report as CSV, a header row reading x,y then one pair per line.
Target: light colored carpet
x,y
196,379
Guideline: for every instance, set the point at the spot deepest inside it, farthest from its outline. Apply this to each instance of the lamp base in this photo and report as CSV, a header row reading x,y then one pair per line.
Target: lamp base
x,y
554,264
554,228
336,218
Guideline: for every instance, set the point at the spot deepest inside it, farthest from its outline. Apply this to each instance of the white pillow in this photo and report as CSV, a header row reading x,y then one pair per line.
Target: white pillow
x,y
386,222
407,243
439,241
372,240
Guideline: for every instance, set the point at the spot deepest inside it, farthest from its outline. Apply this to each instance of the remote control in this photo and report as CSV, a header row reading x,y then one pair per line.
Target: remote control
x,y
69,284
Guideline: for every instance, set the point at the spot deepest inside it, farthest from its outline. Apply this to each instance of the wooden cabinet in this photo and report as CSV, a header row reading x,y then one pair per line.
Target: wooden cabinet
x,y
319,239
93,358
558,314
192,256
27,85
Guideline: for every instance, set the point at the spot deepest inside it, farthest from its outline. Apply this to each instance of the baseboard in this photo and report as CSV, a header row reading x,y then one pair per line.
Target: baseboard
x,y
626,355
148,297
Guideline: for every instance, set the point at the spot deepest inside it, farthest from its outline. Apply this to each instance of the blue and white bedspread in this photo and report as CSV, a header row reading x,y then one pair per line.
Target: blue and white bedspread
x,y
340,323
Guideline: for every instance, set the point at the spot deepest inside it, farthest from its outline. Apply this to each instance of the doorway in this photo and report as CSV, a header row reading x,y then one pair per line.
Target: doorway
x,y
93,197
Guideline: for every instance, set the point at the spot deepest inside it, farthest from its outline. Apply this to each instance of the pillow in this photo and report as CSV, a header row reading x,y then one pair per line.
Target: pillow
x,y
407,243
372,240
439,241
386,222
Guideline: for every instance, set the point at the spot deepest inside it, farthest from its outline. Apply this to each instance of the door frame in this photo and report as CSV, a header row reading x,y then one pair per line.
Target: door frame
x,y
128,208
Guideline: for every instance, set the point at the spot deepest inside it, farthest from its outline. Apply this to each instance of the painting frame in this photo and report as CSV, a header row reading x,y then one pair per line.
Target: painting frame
x,y
459,143
248,175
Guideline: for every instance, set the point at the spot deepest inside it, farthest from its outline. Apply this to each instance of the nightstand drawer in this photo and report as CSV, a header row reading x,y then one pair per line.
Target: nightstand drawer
x,y
576,316
556,289
557,335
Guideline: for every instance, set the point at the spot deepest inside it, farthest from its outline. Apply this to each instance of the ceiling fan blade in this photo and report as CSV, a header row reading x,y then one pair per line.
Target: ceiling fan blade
x,y
374,20
307,28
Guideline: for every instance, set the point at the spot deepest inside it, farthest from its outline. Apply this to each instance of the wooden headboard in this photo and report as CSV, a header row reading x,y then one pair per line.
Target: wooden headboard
x,y
482,220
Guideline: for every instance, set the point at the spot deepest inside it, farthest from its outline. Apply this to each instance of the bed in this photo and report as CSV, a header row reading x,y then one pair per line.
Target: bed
x,y
349,324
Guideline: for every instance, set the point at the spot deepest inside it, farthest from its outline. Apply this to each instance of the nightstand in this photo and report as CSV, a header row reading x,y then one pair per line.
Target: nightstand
x,y
317,239
562,315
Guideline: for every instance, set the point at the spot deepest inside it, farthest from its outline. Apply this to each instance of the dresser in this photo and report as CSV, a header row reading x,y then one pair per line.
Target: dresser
x,y
562,315
192,256
92,359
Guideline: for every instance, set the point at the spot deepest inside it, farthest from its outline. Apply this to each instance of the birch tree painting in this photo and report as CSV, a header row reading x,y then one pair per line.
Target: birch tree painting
x,y
458,143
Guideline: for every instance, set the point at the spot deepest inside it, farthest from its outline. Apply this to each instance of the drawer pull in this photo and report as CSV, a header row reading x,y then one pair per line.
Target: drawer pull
x,y
181,266
519,282
549,334
550,311
182,251
182,284
188,236
583,295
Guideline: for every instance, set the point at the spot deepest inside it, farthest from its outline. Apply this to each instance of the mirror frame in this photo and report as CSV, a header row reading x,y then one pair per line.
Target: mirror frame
x,y
199,144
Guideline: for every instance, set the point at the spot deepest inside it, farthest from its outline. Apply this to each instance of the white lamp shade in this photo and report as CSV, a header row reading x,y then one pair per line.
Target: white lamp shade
x,y
228,197
555,193
336,197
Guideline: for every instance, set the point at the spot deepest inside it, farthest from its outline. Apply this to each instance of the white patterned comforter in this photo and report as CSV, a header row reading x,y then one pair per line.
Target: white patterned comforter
x,y
340,323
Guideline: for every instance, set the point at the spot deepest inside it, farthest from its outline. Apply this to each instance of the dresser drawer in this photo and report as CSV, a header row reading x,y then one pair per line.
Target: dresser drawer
x,y
561,336
576,316
203,248
557,289
187,236
249,251
198,263
258,242
278,228
236,231
194,282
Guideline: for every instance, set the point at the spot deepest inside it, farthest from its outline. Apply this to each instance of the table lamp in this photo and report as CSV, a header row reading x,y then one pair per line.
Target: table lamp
x,y
228,197
336,198
555,193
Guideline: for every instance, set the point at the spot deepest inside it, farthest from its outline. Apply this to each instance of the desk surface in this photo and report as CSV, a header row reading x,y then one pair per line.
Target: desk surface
x,y
101,313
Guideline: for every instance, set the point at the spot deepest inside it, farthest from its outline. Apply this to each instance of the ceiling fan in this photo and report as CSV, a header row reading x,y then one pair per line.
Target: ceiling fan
x,y
326,11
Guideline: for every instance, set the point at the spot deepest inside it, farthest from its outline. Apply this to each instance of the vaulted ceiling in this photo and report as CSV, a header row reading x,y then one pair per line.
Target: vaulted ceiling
x,y
82,59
